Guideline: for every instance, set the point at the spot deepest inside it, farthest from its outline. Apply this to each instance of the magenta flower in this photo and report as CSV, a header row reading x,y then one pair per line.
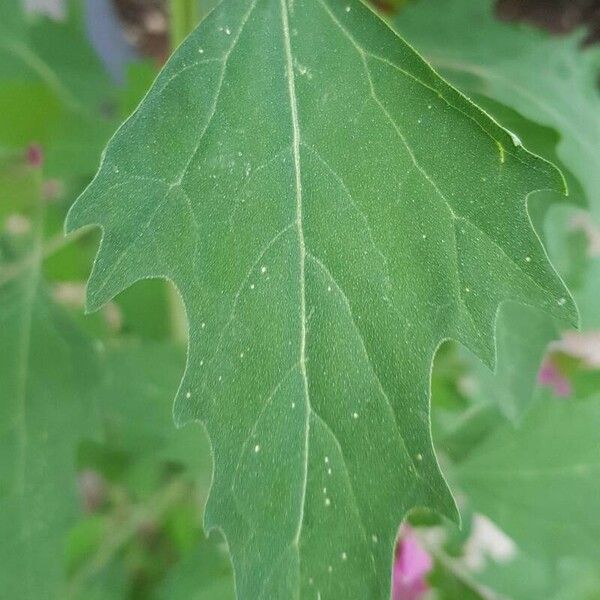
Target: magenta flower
x,y
411,567
35,156
551,377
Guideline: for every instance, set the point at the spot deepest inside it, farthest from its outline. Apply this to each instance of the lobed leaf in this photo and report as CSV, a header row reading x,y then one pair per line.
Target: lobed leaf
x,y
330,211
548,79
542,77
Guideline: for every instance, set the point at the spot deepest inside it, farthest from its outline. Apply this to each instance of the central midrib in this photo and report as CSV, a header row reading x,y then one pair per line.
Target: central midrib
x,y
301,246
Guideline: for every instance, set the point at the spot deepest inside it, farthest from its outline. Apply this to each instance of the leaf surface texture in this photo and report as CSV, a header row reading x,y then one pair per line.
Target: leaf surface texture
x,y
330,211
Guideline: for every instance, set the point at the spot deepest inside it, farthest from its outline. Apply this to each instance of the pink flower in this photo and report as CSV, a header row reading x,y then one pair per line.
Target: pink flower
x,y
411,567
35,156
551,377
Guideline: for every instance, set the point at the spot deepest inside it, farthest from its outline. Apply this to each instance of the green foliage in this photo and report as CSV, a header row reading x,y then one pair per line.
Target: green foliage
x,y
155,483
205,575
332,213
48,372
522,339
53,88
547,79
541,464
224,196
528,80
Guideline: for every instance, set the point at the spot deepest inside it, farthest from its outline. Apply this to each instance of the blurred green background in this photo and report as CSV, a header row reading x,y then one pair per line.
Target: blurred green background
x,y
100,496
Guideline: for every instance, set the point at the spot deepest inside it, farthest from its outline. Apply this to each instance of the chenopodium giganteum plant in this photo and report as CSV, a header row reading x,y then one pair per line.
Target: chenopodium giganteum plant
x,y
330,211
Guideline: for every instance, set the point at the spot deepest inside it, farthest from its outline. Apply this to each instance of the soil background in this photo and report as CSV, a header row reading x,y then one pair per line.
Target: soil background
x,y
557,16
146,21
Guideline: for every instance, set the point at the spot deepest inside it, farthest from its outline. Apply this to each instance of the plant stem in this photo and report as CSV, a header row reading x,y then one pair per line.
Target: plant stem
x,y
184,17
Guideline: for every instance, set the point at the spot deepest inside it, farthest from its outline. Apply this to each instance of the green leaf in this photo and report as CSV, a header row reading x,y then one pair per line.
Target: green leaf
x,y
330,211
54,91
571,244
523,335
204,575
48,371
56,54
524,577
136,404
145,310
18,189
543,78
28,113
457,435
540,481
522,339
157,479
541,140
450,586
550,80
